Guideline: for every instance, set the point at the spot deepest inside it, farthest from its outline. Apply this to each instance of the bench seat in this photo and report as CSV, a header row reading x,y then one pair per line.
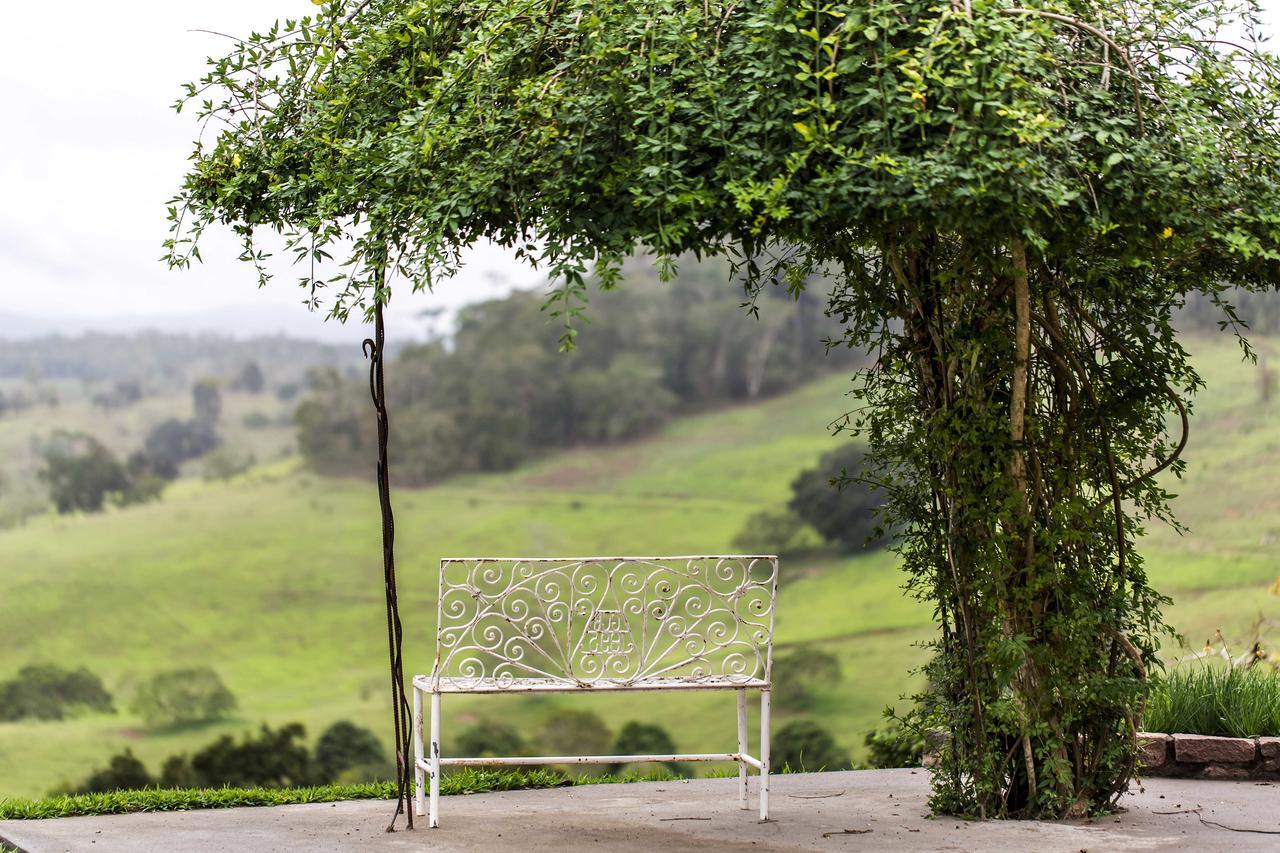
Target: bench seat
x,y
448,684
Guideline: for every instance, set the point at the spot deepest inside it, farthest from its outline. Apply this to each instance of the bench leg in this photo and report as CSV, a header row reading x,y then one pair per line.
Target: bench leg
x,y
433,816
742,749
419,775
764,754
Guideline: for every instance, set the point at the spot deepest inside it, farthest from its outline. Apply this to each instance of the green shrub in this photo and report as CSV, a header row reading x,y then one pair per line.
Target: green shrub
x,y
803,746
894,745
1215,700
346,752
274,759
123,773
177,772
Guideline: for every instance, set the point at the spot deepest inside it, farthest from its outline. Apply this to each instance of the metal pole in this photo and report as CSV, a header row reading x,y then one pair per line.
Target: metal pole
x,y
742,749
433,818
764,754
419,774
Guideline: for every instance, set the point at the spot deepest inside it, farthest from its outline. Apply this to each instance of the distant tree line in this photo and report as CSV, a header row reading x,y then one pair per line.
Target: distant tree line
x,y
499,391
169,362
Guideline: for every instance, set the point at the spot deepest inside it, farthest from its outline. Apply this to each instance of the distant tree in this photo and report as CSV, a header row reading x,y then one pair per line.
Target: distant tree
x,y
128,391
349,753
47,692
124,773
142,463
838,506
206,401
81,472
332,431
799,675
273,759
638,738
805,746
251,379
172,442
225,463
148,476
183,696
124,393
288,391
142,490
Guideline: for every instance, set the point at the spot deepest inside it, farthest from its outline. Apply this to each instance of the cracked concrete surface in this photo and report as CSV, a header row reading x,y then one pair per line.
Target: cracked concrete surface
x,y
879,810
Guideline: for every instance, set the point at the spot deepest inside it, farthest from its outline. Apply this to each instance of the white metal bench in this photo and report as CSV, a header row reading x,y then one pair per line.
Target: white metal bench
x,y
600,624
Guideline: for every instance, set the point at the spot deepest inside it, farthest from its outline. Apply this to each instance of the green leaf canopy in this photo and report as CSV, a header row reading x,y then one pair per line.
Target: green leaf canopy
x,y
395,134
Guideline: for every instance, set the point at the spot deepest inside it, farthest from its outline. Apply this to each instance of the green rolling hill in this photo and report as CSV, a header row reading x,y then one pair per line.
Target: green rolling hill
x,y
274,578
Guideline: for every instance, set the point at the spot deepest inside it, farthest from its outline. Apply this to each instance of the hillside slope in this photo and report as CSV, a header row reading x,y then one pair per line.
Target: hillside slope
x,y
274,578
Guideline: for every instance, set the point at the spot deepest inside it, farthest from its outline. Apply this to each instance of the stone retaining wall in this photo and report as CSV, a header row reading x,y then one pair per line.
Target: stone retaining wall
x,y
1204,757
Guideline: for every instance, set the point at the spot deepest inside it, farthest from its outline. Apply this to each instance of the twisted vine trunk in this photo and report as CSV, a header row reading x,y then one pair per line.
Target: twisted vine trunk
x,y
1027,571
1020,521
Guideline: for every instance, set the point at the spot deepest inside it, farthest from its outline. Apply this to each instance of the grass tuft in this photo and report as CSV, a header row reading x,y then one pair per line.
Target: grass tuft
x,y
465,781
1215,700
469,781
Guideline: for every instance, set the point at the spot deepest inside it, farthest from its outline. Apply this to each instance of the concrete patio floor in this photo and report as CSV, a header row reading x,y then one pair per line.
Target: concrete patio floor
x,y
879,810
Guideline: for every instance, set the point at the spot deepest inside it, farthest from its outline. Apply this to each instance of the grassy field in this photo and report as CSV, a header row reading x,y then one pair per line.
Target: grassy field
x,y
274,578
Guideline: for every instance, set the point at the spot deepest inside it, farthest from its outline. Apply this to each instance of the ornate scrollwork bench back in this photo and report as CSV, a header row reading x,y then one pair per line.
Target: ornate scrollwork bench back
x,y
616,622
601,624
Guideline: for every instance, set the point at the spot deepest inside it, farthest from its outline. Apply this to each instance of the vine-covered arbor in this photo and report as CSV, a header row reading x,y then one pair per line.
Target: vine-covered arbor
x,y
1012,200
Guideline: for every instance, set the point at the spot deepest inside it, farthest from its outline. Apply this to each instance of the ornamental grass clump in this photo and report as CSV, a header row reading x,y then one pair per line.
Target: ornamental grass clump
x,y
1216,700
1011,200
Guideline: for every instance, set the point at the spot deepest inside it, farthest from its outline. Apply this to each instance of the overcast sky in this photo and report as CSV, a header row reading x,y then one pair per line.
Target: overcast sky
x,y
90,151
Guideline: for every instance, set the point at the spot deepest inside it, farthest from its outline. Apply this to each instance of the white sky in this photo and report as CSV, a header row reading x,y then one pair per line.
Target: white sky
x,y
90,150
